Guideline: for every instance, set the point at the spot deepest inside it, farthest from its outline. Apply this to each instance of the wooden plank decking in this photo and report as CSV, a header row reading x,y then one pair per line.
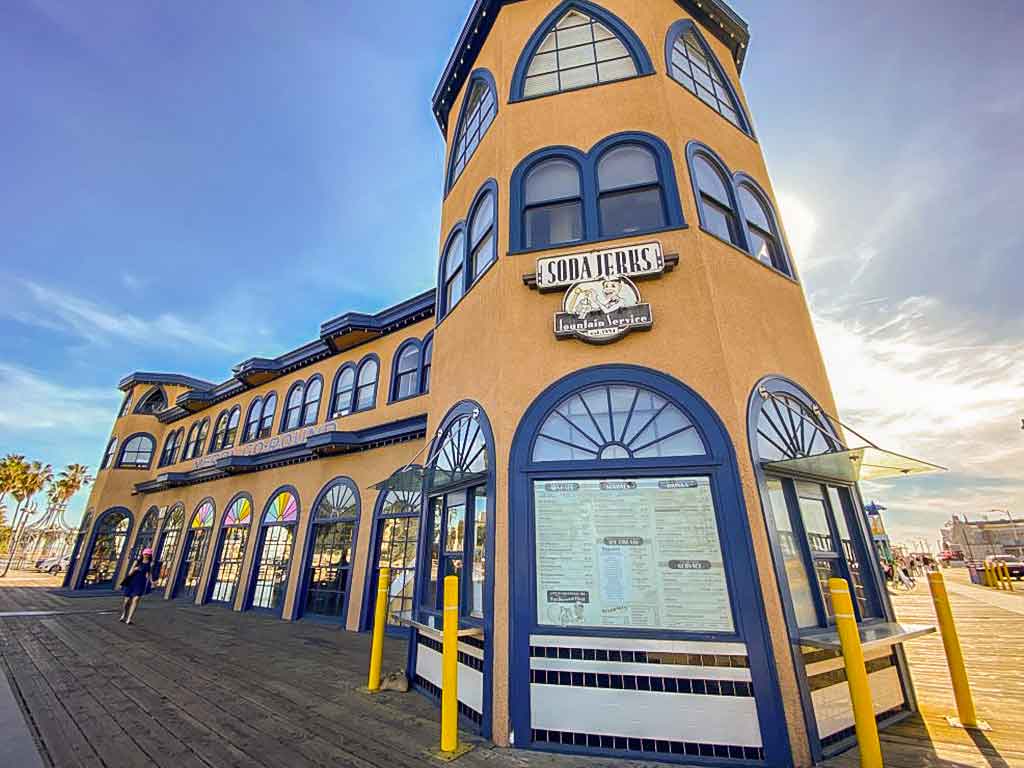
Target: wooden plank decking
x,y
204,686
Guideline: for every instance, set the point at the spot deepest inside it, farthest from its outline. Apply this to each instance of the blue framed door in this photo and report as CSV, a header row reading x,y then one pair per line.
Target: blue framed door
x,y
191,570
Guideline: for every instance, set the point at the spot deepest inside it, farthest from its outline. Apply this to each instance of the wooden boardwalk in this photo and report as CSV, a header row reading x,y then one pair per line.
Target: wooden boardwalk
x,y
203,686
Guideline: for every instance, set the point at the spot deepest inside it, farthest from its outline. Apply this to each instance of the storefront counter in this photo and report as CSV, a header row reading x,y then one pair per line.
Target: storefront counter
x,y
872,636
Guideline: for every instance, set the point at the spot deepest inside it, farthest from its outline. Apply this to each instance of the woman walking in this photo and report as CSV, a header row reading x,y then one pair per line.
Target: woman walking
x,y
137,582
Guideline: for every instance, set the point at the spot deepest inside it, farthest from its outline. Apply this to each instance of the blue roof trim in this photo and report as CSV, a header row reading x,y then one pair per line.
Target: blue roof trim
x,y
391,319
324,444
716,16
174,379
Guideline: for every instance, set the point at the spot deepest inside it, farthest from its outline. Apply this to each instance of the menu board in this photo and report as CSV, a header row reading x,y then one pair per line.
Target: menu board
x,y
641,553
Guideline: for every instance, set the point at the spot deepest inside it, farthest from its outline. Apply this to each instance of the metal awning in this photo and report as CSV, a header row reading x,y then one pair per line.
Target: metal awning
x,y
408,479
854,464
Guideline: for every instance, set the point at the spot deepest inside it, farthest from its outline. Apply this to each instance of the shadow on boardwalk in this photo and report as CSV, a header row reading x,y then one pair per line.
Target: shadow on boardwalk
x,y
204,686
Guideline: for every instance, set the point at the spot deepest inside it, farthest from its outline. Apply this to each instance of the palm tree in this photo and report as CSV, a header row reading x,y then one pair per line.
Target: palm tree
x,y
27,484
12,468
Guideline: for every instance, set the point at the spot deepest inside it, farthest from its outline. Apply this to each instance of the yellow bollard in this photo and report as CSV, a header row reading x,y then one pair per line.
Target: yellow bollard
x,y
1009,579
856,675
990,579
450,666
379,623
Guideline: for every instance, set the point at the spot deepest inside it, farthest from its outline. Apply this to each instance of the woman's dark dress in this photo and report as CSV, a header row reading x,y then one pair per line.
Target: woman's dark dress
x,y
136,585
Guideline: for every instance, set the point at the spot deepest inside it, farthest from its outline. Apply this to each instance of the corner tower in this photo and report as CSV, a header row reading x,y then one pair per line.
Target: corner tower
x,y
617,300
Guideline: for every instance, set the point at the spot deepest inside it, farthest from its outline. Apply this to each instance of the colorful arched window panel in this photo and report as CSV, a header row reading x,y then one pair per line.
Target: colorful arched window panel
x,y
283,509
203,517
228,569
239,513
616,422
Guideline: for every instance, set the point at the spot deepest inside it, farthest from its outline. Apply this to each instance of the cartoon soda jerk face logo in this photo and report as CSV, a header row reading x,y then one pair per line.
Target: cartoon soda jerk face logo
x,y
600,311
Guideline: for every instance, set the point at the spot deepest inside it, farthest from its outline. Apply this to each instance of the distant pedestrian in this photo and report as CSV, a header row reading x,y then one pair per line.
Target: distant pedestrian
x,y
137,582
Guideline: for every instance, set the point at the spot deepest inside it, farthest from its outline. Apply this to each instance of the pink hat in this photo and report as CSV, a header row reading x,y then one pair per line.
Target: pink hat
x,y
147,551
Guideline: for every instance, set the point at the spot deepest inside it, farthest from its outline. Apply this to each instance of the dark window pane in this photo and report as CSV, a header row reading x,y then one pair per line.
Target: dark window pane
x,y
636,211
627,166
554,224
552,180
719,221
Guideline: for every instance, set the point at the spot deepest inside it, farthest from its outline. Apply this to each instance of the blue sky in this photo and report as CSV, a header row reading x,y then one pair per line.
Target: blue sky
x,y
185,186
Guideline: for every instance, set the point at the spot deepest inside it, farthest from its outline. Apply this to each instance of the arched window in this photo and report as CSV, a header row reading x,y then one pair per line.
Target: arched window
x,y
170,452
629,191
144,538
366,384
267,421
153,401
104,558
428,359
197,543
311,402
231,431
125,405
763,235
483,241
252,420
578,45
715,201
227,567
406,371
553,204
108,455
453,276
137,452
625,185
395,546
616,422
475,118
167,547
292,417
692,64
344,386
274,554
196,439
328,570
220,427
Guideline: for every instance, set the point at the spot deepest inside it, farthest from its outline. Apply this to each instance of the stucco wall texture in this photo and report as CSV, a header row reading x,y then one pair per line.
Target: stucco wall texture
x,y
722,322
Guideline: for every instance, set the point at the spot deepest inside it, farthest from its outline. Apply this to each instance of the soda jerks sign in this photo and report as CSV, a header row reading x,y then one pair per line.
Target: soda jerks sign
x,y
601,304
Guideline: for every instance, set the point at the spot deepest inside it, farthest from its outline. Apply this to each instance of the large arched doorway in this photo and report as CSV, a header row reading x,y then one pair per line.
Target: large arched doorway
x,y
395,539
103,560
167,547
330,548
638,626
76,550
457,539
147,532
197,542
273,559
227,564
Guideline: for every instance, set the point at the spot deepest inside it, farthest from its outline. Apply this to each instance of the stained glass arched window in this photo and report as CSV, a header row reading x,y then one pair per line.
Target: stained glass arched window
x,y
203,517
616,422
283,509
788,428
239,513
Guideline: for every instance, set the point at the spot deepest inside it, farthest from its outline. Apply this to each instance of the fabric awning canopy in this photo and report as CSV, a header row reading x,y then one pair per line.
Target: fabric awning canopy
x,y
854,464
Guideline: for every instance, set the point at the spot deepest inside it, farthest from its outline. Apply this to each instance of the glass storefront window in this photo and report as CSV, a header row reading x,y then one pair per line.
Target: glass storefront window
x,y
479,572
455,526
849,551
793,563
642,553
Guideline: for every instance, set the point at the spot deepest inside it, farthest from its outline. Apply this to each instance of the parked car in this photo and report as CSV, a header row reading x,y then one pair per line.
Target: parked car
x,y
1013,564
53,564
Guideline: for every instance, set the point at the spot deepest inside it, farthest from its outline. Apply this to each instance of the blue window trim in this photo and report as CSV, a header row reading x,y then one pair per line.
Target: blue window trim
x,y
734,530
463,226
297,611
109,460
174,436
366,360
185,543
427,346
125,405
176,555
460,409
780,384
149,393
731,181
334,388
125,443
636,49
196,430
393,388
305,401
479,75
741,179
679,29
257,403
250,586
590,191
301,384
218,542
221,417
89,550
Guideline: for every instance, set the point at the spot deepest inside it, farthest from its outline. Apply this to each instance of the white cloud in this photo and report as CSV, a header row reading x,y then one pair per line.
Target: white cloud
x,y
31,403
801,224
56,310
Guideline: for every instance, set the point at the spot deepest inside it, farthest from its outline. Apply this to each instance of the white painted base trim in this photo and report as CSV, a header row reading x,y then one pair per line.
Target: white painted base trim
x,y
833,710
471,681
